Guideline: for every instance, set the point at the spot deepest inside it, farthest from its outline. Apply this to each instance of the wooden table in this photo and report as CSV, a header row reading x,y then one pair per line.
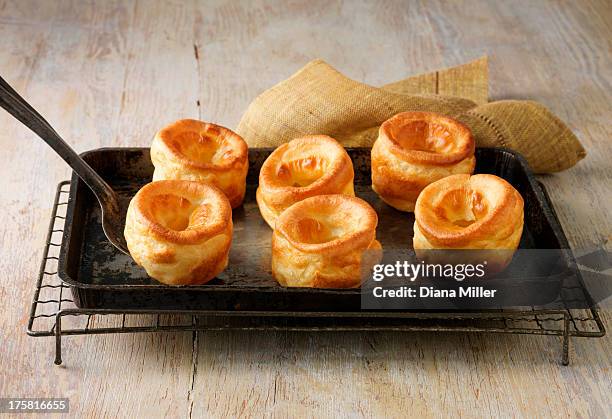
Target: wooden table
x,y
111,73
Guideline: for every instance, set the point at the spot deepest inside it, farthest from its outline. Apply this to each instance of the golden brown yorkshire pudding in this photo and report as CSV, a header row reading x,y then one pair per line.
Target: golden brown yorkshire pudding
x,y
414,149
320,242
194,150
180,231
470,212
300,169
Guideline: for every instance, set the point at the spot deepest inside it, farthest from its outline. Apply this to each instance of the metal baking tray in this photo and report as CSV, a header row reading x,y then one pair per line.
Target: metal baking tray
x,y
102,277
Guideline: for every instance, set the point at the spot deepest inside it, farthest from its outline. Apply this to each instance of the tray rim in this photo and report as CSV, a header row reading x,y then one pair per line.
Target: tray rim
x,y
537,187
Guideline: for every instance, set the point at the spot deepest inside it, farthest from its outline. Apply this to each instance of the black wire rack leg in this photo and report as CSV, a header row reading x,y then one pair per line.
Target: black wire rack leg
x,y
58,338
566,339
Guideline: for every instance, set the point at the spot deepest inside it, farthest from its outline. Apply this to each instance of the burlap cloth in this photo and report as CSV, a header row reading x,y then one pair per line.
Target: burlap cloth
x,y
320,100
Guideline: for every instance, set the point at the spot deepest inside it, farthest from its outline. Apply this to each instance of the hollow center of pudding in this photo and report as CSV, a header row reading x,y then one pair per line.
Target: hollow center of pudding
x,y
425,136
301,171
312,231
201,147
462,207
175,212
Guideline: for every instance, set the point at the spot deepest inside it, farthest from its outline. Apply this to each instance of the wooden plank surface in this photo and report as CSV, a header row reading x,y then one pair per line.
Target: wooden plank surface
x,y
110,73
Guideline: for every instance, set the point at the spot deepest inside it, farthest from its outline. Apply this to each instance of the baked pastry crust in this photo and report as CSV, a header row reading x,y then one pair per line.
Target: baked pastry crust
x,y
300,169
414,149
179,231
194,150
320,242
470,212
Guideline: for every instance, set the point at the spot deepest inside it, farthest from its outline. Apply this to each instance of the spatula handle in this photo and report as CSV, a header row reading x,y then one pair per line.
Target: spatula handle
x,y
17,106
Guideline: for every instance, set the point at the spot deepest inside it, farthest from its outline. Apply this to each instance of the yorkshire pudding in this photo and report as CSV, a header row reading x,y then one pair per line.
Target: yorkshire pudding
x,y
470,212
414,149
320,242
179,231
194,150
302,168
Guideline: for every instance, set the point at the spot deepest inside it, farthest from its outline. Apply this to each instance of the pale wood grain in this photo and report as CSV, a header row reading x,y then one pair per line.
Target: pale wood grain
x,y
77,79
111,73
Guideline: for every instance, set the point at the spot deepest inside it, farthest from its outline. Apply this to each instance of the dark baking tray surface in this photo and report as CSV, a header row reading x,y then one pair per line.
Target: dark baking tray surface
x,y
102,277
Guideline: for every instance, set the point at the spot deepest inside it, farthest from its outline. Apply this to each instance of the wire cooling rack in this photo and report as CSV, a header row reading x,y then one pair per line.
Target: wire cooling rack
x,y
53,312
